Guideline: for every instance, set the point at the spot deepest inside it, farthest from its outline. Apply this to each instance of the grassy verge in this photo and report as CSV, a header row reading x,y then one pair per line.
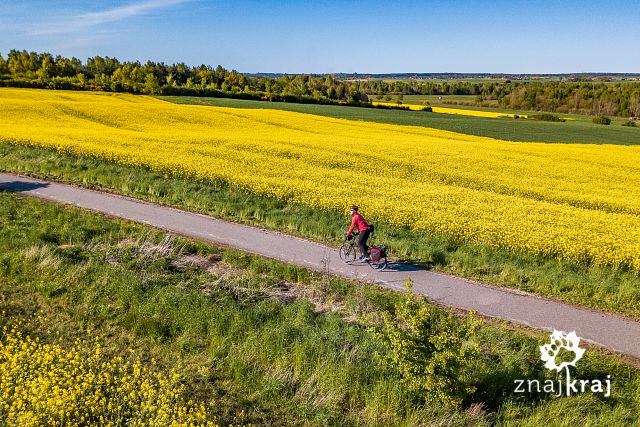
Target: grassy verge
x,y
605,288
571,132
257,341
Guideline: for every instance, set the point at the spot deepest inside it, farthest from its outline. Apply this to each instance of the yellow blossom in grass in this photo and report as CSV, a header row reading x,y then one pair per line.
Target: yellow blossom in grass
x,y
567,200
48,384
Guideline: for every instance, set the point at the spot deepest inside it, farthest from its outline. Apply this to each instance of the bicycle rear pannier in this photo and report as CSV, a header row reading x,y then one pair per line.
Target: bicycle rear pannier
x,y
377,252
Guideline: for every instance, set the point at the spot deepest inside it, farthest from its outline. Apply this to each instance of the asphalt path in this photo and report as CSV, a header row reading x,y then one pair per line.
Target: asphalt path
x,y
607,330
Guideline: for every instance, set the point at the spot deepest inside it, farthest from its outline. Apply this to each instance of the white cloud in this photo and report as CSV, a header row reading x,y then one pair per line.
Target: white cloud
x,y
85,21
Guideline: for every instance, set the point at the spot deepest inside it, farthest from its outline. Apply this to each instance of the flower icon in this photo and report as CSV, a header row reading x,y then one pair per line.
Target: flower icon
x,y
559,341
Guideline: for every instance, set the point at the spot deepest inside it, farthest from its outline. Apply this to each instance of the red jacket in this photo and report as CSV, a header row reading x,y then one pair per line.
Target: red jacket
x,y
358,220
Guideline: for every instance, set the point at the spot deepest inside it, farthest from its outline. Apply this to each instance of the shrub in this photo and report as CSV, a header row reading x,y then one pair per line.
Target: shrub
x,y
546,117
430,349
601,120
630,123
389,106
427,108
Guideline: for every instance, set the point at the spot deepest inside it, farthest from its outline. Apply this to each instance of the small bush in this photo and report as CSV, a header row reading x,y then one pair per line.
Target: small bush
x,y
427,108
630,123
546,117
430,349
601,120
390,107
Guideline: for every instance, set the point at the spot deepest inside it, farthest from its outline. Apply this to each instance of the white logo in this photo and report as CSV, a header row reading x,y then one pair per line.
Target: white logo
x,y
559,340
549,353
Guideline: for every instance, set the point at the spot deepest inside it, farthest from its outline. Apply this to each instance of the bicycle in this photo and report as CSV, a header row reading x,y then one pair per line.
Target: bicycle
x,y
377,254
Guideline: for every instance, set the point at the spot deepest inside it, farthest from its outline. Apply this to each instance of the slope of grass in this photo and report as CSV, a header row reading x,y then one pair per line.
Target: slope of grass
x,y
571,132
615,290
257,341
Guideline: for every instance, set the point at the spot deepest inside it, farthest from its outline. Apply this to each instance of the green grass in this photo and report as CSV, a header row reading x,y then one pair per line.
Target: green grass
x,y
245,347
578,131
606,288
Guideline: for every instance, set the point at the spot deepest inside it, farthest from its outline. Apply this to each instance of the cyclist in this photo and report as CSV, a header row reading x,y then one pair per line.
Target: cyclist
x,y
357,221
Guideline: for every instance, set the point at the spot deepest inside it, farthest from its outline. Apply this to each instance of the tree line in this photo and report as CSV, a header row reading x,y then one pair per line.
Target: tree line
x,y
596,98
43,70
599,99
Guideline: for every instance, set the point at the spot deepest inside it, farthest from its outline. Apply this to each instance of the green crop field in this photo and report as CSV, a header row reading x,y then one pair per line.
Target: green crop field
x,y
453,101
432,99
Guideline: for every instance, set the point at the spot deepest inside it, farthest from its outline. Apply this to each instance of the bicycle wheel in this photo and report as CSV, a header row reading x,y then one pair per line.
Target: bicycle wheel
x,y
380,265
348,252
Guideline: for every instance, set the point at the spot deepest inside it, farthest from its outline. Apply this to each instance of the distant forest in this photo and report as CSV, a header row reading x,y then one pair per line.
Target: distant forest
x,y
43,70
596,98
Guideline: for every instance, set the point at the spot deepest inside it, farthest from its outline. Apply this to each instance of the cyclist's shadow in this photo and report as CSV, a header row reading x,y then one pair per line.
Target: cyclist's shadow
x,y
402,267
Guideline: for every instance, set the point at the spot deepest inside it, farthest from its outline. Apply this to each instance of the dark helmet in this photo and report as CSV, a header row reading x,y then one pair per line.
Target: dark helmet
x,y
353,208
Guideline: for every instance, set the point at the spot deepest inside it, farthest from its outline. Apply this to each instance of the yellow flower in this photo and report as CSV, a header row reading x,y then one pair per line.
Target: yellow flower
x,y
46,384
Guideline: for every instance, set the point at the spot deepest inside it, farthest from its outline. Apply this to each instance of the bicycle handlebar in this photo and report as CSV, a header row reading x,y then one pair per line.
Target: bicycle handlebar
x,y
354,234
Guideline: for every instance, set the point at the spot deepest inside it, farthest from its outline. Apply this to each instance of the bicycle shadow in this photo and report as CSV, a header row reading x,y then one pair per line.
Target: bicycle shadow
x,y
21,186
402,267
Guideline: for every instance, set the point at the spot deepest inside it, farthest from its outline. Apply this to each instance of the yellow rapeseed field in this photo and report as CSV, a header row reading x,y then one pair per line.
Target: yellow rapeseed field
x,y
578,201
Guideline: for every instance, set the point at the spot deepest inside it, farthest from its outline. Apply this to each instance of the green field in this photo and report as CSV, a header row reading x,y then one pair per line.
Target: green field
x,y
257,341
578,131
441,100
450,101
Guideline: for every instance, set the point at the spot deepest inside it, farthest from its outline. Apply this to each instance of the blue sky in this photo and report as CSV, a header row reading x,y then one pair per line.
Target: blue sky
x,y
336,36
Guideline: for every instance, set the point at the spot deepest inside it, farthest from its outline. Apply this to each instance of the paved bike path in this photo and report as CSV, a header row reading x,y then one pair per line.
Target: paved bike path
x,y
610,331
